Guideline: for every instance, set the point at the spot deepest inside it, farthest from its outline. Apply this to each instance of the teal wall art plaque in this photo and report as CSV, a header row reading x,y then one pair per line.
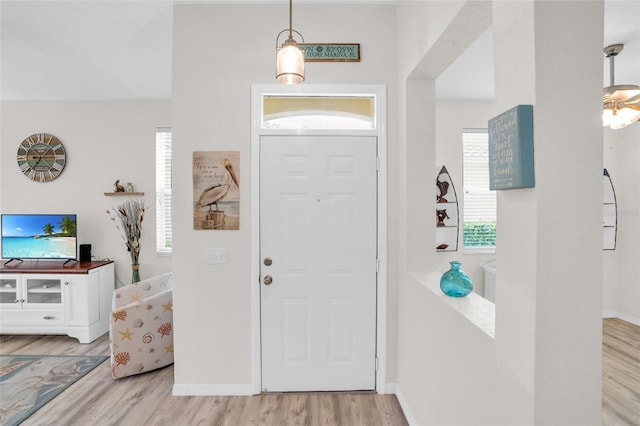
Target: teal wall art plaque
x,y
511,164
331,52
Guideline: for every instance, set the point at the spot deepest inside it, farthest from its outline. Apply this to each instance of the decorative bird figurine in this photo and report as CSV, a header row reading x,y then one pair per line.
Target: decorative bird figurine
x,y
443,187
119,188
212,195
441,215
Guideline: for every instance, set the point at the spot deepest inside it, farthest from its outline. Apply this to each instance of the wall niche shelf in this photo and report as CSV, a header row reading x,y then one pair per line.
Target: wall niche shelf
x,y
123,194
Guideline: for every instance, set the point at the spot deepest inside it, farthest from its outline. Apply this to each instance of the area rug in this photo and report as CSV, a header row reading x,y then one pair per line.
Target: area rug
x,y
27,382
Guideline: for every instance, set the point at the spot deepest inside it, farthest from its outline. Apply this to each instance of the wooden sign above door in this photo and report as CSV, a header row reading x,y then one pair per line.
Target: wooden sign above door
x,y
331,52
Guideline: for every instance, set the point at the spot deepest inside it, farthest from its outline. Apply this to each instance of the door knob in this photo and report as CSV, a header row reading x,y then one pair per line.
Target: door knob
x,y
267,261
267,280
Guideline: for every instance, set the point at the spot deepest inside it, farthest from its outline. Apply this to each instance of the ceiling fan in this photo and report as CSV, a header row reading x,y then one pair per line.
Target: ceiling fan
x,y
621,102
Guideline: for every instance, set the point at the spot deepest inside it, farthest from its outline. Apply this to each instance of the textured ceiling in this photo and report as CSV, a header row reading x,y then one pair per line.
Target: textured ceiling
x,y
122,50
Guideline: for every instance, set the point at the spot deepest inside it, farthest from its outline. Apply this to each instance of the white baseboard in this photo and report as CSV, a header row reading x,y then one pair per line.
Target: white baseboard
x,y
623,317
404,404
211,390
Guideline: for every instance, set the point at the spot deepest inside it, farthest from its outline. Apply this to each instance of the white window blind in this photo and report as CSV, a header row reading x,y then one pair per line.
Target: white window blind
x,y
479,214
163,190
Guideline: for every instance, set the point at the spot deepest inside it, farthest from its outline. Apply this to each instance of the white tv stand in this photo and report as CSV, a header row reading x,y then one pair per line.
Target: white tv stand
x,y
45,297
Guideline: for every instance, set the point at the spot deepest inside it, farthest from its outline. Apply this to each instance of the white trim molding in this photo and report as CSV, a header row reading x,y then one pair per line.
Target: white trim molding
x,y
623,317
404,404
380,132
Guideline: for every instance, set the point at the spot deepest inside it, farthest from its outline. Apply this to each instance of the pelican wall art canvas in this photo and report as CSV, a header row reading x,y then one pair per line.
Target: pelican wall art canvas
x,y
216,190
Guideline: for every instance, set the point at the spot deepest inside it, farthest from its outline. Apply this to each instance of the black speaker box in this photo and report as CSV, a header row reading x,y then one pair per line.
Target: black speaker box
x,y
85,253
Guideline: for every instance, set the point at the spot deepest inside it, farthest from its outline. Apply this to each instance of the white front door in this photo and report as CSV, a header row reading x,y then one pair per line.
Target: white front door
x,y
318,246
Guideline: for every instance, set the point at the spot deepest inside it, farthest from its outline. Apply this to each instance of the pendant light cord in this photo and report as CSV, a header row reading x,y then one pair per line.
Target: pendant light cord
x,y
290,18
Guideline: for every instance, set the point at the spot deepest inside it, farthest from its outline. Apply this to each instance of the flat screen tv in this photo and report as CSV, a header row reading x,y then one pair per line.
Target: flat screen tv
x,y
39,236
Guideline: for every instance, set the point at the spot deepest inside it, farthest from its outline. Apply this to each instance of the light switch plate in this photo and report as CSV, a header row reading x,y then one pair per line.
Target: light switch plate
x,y
215,256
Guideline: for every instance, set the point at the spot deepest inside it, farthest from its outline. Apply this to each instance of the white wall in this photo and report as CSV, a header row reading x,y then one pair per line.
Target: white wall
x,y
543,367
621,281
211,111
104,141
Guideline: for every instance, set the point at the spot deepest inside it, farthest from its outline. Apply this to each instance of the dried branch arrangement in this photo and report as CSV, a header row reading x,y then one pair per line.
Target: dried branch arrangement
x,y
129,216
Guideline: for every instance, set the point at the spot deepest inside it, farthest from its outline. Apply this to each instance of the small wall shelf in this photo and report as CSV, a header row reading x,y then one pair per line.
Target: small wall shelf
x,y
123,194
609,213
447,221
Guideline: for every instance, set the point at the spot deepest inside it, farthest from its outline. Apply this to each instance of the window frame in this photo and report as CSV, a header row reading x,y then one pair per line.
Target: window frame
x,y
164,229
480,186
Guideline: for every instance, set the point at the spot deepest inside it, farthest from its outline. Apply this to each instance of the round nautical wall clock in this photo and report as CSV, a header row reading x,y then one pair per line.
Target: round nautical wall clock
x,y
41,157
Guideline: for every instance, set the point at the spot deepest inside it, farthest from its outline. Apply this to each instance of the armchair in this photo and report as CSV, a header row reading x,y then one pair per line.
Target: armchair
x,y
141,327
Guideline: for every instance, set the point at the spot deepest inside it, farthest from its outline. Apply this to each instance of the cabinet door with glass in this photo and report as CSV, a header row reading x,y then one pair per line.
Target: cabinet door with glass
x,y
10,292
40,291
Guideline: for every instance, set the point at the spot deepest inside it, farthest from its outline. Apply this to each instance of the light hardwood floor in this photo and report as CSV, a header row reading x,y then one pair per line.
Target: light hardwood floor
x,y
620,373
146,399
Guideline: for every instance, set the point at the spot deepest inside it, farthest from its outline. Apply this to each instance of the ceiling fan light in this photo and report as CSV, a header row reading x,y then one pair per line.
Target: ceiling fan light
x,y
619,118
607,116
621,92
619,101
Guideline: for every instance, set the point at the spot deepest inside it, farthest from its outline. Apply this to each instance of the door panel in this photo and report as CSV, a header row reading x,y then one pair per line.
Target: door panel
x,y
318,225
296,333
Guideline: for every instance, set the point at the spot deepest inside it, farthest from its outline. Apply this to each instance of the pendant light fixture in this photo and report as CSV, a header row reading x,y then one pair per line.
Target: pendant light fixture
x,y
289,57
621,102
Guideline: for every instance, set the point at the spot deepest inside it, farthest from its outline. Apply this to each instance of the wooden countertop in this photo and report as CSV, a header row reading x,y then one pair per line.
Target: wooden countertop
x,y
50,267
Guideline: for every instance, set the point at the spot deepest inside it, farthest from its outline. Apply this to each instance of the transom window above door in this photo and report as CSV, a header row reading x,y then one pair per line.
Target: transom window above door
x,y
318,112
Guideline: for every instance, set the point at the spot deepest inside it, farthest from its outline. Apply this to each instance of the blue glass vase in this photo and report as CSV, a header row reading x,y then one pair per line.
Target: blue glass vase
x,y
454,282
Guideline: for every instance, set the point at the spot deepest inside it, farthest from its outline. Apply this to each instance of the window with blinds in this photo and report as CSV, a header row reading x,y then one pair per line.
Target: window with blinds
x,y
163,190
479,216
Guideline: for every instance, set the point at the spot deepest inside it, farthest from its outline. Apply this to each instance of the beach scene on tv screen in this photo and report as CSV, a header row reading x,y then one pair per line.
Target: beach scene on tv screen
x,y
39,236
